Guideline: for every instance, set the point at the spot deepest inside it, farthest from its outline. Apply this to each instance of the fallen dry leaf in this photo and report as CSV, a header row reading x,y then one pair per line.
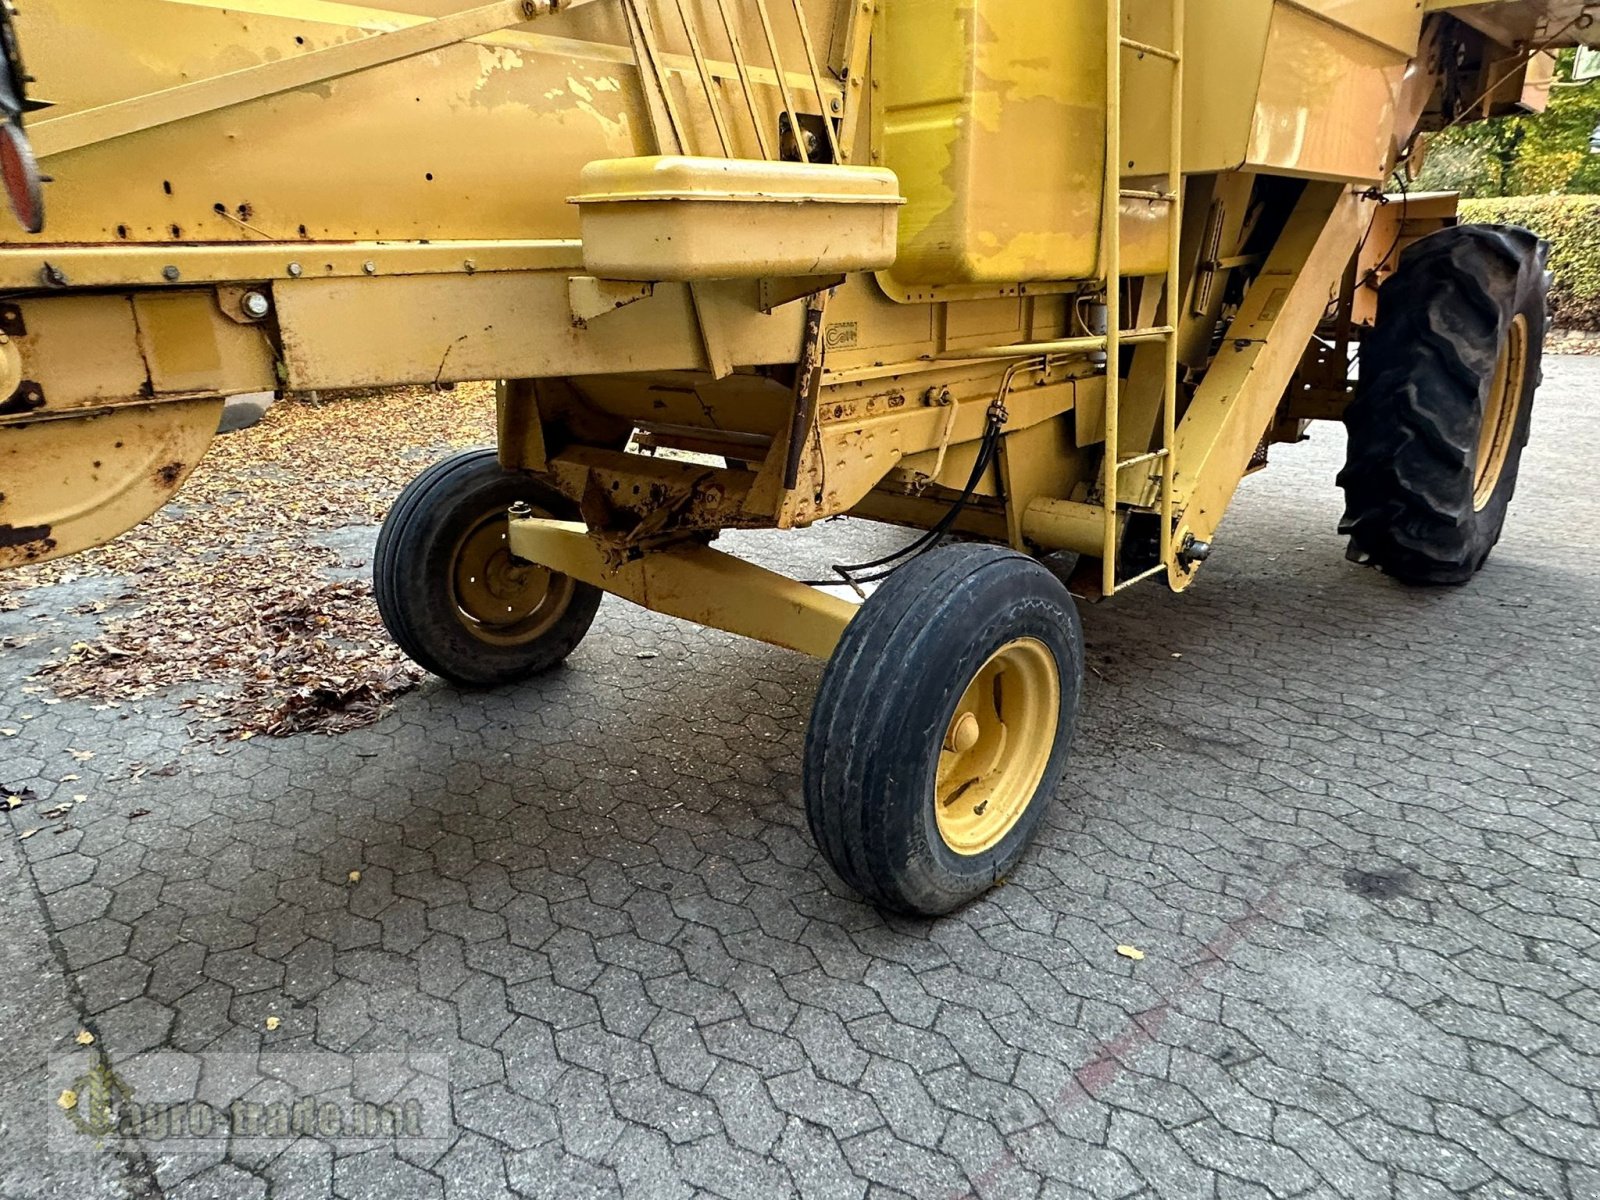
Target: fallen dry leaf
x,y
26,834
228,586
273,1022
1132,952
355,876
15,797
85,1038
68,1100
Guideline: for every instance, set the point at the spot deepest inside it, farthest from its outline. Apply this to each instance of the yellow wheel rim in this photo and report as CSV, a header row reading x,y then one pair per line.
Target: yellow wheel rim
x,y
501,599
1500,413
997,747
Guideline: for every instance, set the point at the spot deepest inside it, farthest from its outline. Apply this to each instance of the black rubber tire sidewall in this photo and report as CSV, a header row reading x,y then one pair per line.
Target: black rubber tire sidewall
x,y
888,696
414,559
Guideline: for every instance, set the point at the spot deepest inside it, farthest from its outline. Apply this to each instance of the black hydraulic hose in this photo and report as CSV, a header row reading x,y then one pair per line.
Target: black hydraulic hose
x,y
850,574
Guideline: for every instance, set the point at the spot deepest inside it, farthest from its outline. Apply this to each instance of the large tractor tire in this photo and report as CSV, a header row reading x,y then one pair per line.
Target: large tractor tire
x,y
942,727
450,592
1444,401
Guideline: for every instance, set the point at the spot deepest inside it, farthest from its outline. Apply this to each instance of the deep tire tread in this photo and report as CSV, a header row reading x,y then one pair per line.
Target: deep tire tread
x,y
1414,421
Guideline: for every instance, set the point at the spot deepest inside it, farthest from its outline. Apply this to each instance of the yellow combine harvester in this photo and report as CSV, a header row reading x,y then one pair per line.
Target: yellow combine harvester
x,y
1051,275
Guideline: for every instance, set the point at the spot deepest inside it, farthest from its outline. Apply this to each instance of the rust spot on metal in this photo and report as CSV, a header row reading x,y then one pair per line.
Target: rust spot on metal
x,y
24,543
168,475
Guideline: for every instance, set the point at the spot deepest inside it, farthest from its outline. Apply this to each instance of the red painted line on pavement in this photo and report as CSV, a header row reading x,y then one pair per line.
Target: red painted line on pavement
x,y
1105,1064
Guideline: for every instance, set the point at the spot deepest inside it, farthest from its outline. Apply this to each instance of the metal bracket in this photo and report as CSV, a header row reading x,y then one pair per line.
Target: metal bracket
x,y
775,293
592,298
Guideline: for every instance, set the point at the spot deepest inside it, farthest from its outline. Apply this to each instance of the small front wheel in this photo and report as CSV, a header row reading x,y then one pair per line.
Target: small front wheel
x,y
450,592
942,727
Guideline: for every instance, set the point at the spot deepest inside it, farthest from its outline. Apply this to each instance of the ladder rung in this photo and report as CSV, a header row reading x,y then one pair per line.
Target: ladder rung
x,y
1171,56
1156,333
1142,458
1153,197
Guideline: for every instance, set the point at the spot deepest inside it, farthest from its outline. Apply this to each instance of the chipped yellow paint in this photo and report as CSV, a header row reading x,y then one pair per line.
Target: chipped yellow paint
x,y
410,222
1001,152
998,150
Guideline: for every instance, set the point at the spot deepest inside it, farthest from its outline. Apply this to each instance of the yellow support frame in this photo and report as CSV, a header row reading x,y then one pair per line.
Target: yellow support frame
x,y
696,583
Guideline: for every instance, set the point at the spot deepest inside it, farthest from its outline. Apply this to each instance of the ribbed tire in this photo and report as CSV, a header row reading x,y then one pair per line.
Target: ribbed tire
x,y
1416,503
888,696
413,566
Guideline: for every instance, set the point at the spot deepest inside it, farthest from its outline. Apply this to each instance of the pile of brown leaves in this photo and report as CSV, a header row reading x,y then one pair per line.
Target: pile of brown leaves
x,y
229,597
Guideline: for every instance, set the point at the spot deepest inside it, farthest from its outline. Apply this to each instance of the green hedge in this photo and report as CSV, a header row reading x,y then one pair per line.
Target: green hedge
x,y
1572,226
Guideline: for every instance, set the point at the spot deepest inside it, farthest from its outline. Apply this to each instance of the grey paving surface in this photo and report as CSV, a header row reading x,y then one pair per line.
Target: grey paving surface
x,y
1352,827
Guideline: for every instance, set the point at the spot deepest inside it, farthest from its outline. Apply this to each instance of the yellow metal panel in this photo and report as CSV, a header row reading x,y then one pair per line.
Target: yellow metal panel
x,y
998,152
1225,45
72,484
477,140
407,150
88,351
1303,89
1395,23
80,349
1328,101
672,217
432,328
1001,152
176,339
117,265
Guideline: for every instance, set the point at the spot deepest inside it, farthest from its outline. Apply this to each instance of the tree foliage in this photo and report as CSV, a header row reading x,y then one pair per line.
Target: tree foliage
x,y
1571,224
1523,156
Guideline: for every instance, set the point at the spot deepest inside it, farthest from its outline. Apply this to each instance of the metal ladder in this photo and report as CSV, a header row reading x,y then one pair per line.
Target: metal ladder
x,y
1165,332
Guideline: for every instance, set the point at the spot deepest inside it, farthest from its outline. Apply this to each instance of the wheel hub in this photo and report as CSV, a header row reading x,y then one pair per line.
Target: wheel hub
x,y
498,597
997,746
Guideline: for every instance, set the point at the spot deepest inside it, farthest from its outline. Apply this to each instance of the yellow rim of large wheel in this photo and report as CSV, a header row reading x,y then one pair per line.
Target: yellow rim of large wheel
x,y
1500,413
997,746
499,598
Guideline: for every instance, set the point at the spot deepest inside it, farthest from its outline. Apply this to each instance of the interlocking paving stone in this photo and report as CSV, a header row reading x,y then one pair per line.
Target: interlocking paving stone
x,y
1352,826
